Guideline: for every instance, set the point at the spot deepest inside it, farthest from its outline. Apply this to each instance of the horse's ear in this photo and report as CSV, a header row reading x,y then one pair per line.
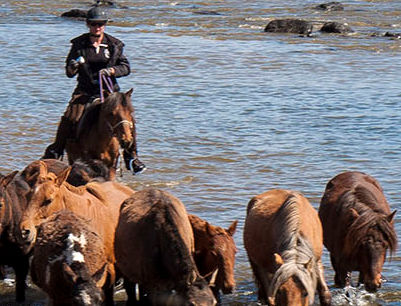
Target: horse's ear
x,y
7,179
42,168
129,92
209,229
191,278
212,281
390,217
308,265
62,177
232,228
278,260
354,214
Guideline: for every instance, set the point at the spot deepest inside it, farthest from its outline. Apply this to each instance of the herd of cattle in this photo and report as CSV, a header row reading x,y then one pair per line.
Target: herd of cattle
x,y
78,233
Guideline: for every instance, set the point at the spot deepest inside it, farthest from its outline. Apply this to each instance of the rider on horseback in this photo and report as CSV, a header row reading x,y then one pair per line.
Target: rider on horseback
x,y
90,54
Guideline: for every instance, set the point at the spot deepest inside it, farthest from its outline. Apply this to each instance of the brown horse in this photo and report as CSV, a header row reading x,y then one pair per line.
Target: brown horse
x,y
215,251
154,247
99,202
69,261
358,227
13,194
103,129
82,172
284,242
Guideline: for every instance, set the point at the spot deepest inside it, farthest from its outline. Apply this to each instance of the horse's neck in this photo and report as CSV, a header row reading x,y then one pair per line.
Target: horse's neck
x,y
70,196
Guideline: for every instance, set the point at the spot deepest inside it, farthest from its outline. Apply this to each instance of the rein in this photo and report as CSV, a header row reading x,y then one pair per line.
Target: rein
x,y
108,82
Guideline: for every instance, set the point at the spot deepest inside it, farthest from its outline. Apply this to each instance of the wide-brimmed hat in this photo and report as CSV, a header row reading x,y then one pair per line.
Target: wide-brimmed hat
x,y
96,14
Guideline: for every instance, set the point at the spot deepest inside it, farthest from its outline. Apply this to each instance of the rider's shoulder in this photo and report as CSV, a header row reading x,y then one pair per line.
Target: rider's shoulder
x,y
80,39
115,41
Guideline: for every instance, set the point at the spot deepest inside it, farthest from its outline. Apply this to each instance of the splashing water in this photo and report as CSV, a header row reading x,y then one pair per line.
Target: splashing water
x,y
354,296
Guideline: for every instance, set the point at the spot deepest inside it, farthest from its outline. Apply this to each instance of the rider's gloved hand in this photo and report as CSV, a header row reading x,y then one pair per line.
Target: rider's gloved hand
x,y
73,64
107,71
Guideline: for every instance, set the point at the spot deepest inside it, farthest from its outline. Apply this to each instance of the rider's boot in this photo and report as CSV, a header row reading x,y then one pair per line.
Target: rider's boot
x,y
56,149
132,161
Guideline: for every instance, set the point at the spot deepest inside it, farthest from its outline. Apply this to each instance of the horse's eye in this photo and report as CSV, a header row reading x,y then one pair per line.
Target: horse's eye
x,y
305,295
47,202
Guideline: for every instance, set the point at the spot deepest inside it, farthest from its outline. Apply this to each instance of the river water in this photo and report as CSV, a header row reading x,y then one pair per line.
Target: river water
x,y
225,111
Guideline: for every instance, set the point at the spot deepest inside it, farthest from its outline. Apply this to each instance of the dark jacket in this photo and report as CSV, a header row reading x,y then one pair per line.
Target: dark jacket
x,y
88,81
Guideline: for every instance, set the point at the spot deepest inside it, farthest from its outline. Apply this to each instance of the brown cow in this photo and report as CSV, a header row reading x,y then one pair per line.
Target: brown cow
x,y
358,227
99,202
69,261
215,251
284,242
13,192
154,248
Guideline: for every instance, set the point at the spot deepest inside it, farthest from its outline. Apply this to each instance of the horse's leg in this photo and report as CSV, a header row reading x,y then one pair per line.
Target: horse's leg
x,y
108,289
262,293
21,272
324,292
340,275
216,293
132,298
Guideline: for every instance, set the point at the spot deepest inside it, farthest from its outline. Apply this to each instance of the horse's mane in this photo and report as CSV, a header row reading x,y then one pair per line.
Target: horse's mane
x,y
91,187
115,99
371,217
91,114
296,251
88,119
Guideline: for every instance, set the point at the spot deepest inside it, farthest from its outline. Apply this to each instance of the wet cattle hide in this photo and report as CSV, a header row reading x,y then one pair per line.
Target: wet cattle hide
x,y
154,248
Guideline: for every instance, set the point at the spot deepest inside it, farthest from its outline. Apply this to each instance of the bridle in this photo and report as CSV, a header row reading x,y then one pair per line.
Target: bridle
x,y
122,122
109,84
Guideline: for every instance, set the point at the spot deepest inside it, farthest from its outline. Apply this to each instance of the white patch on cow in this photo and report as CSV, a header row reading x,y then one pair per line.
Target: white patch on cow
x,y
70,254
85,298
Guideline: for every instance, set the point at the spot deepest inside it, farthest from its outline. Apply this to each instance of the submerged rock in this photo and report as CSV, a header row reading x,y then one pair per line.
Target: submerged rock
x,y
330,6
336,27
75,13
297,26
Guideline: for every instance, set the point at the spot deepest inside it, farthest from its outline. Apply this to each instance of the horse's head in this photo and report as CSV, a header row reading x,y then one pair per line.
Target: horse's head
x,y
118,112
371,246
42,203
293,283
222,255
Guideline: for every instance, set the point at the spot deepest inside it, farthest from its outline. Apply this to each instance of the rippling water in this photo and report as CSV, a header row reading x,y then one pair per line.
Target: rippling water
x,y
224,110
